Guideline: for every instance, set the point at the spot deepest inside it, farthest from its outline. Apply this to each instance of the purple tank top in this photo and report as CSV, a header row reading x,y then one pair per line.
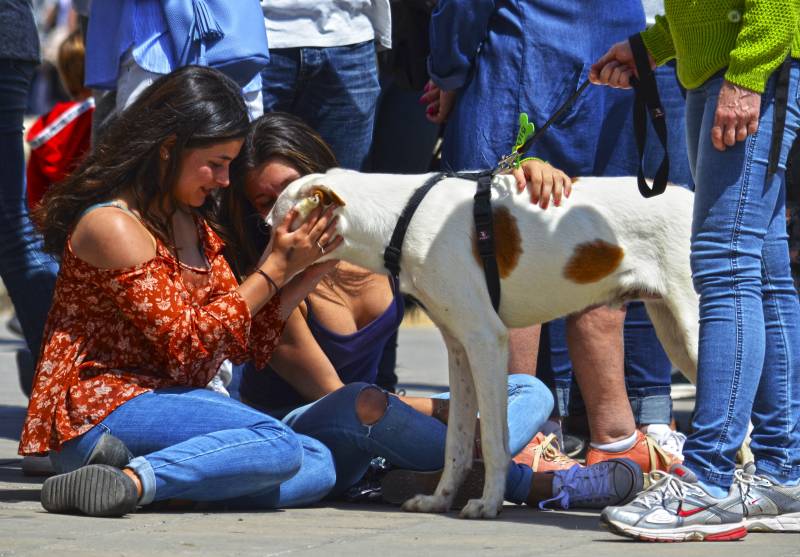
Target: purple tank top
x,y
355,356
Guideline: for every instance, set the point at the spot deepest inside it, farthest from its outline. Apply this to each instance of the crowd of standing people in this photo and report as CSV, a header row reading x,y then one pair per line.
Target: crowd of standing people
x,y
150,274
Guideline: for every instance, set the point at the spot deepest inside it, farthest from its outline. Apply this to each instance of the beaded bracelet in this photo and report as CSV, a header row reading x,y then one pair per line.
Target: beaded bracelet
x,y
268,278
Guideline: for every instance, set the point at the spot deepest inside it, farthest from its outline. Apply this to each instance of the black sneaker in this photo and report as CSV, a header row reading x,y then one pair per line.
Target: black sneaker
x,y
94,490
111,451
398,486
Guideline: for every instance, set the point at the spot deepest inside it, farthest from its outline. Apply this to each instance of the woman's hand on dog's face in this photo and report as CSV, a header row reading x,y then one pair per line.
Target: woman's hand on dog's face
x,y
543,181
295,250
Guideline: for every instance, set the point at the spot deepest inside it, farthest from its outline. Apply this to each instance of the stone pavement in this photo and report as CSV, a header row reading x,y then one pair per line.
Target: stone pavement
x,y
330,530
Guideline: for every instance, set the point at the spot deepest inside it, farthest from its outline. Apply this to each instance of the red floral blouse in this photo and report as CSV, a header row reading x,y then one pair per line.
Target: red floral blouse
x,y
113,334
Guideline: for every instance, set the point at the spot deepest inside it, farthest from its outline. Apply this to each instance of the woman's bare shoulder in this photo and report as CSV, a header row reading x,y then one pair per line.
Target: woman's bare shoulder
x,y
111,238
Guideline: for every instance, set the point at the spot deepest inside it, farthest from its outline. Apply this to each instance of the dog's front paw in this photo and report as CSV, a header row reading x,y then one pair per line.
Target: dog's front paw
x,y
427,504
481,508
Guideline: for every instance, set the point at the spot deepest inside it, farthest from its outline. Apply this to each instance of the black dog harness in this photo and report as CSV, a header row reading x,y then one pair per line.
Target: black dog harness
x,y
484,229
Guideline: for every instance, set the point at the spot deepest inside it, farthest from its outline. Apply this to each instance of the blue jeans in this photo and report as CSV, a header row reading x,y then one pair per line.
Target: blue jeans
x,y
196,444
409,439
749,351
28,273
334,89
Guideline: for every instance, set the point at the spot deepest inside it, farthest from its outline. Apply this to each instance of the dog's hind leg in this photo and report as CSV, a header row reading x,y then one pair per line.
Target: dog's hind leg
x,y
676,325
460,433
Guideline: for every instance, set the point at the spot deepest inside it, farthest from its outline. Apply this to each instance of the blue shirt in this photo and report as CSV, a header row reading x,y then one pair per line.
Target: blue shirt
x,y
117,26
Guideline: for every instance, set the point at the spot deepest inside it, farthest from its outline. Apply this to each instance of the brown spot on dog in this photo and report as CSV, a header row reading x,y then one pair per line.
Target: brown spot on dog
x,y
574,179
593,261
507,242
326,196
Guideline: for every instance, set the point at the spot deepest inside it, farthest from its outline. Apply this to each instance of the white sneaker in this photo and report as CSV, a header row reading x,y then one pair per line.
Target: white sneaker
x,y
669,440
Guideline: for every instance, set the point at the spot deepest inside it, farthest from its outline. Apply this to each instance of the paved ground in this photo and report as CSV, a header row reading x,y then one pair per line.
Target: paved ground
x,y
329,530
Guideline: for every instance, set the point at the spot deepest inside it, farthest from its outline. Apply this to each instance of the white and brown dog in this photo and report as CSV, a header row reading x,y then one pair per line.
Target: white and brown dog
x,y
604,245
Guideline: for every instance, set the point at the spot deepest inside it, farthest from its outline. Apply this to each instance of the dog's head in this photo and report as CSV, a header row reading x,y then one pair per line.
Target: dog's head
x,y
304,194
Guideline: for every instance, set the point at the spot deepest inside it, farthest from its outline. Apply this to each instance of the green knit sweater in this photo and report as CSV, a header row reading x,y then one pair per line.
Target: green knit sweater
x,y
749,37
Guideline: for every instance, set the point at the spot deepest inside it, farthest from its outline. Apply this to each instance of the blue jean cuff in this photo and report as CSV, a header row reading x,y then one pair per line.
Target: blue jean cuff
x,y
147,476
518,484
651,409
781,474
709,476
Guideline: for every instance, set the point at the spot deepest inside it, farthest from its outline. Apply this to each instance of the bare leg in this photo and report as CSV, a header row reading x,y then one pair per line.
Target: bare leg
x,y
523,349
596,348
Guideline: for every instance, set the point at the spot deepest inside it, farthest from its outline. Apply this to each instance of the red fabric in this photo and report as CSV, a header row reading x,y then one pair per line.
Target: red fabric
x,y
55,159
113,334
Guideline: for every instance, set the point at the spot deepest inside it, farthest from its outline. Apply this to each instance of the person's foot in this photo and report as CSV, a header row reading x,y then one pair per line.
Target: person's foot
x,y
26,369
768,507
668,439
611,482
94,490
33,465
646,452
111,451
399,485
676,508
543,454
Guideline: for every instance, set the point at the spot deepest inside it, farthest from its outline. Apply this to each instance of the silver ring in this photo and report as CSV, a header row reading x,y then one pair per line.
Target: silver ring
x,y
320,247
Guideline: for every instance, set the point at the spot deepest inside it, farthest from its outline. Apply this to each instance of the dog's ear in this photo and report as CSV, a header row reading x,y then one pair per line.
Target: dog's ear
x,y
326,196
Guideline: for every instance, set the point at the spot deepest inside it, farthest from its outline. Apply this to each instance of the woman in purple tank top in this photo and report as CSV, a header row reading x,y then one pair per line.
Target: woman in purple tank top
x,y
320,380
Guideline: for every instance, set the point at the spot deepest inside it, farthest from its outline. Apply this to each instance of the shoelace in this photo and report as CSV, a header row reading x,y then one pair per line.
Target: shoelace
x,y
664,484
549,450
673,442
583,484
658,454
747,481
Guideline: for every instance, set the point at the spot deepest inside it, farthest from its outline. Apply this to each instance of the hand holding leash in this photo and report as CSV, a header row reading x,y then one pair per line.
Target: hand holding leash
x,y
616,67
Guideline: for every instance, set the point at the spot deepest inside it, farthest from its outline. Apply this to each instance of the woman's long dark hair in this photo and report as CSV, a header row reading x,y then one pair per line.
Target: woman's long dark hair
x,y
276,134
192,107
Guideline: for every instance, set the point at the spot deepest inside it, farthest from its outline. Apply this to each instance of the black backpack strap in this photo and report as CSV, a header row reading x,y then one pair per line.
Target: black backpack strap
x,y
779,115
392,253
484,234
648,101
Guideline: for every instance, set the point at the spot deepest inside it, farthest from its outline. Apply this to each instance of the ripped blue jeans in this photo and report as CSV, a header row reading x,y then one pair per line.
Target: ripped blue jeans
x,y
409,439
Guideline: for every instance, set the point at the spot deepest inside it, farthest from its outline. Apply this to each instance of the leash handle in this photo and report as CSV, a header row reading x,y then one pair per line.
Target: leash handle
x,y
648,102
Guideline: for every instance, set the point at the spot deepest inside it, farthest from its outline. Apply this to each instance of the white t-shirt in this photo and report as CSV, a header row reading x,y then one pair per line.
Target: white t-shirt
x,y
325,23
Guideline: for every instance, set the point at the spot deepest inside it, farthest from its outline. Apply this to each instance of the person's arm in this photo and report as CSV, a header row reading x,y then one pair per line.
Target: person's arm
x,y
658,41
764,41
458,27
300,361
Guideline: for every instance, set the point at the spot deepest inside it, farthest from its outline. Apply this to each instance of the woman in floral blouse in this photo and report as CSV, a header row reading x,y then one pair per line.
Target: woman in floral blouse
x,y
146,309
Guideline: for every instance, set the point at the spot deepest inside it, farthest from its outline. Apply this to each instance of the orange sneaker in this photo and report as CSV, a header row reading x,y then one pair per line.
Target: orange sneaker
x,y
646,452
542,454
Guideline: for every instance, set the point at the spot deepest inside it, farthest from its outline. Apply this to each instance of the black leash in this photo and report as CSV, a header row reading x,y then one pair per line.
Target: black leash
x,y
507,162
779,115
648,102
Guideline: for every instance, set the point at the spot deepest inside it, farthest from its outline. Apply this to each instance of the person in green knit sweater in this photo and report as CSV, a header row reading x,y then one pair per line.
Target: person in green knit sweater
x,y
731,56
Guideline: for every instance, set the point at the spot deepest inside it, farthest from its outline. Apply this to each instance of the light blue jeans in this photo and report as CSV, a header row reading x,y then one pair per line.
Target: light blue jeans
x,y
196,444
334,90
749,352
409,439
28,273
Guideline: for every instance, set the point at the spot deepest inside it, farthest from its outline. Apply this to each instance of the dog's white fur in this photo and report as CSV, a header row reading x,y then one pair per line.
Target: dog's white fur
x,y
440,270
